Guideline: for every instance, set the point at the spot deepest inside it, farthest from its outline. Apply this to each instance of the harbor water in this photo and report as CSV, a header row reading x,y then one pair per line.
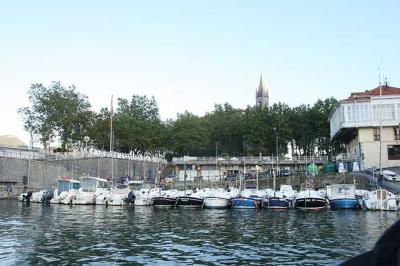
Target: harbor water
x,y
99,235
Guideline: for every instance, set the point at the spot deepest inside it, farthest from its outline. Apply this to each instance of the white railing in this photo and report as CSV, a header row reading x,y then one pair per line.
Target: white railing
x,y
21,153
248,159
92,153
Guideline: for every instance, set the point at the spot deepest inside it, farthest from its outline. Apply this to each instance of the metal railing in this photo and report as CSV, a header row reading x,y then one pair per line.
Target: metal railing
x,y
248,159
35,154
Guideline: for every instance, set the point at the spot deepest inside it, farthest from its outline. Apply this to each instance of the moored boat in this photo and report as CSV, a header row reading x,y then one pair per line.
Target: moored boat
x,y
381,200
216,203
63,188
163,201
189,202
93,190
310,199
342,196
276,203
244,203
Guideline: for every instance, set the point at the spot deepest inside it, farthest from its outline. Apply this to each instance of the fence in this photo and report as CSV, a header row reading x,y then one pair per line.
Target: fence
x,y
35,154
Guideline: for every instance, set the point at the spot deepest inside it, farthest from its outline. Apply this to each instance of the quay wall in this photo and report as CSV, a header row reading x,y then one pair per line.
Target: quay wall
x,y
46,173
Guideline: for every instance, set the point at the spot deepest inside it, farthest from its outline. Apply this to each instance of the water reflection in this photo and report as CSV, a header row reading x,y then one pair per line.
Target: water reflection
x,y
37,234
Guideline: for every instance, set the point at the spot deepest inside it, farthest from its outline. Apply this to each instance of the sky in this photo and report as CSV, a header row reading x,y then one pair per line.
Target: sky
x,y
191,55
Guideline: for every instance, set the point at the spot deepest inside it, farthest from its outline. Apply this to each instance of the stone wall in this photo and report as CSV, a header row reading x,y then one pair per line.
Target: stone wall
x,y
46,173
42,174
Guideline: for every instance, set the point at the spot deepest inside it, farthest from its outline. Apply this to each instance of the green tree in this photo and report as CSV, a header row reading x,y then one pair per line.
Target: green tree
x,y
189,135
224,125
138,126
56,111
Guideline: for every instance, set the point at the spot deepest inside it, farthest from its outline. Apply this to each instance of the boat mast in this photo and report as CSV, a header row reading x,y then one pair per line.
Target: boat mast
x,y
184,177
380,140
380,126
216,161
277,160
111,142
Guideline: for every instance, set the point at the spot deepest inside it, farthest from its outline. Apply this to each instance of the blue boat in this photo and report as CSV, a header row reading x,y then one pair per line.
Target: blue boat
x,y
244,203
342,196
276,203
344,203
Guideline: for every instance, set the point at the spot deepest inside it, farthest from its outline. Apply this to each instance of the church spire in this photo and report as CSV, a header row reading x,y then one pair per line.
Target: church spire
x,y
262,98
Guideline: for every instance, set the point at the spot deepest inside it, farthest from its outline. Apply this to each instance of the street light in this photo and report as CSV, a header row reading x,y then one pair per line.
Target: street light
x,y
86,139
277,146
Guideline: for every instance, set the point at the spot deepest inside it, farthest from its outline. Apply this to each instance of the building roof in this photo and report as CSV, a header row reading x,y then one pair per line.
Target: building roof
x,y
386,90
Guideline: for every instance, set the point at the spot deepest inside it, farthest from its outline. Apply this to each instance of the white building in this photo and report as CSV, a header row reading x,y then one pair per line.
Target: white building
x,y
356,122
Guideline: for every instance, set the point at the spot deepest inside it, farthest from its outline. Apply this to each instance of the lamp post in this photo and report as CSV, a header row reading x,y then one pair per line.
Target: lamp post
x,y
86,139
277,148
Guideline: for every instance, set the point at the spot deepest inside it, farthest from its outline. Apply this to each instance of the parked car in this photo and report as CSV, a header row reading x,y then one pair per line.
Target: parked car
x,y
285,172
390,176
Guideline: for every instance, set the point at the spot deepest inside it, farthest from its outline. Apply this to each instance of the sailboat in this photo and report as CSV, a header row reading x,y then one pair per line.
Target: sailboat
x,y
241,202
188,201
217,198
308,198
278,200
163,199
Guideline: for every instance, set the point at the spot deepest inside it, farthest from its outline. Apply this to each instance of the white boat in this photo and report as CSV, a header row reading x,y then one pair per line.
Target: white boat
x,y
118,195
380,200
63,188
216,203
44,195
217,199
93,190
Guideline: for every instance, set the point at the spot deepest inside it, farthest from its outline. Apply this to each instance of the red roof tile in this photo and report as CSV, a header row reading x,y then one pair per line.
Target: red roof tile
x,y
386,90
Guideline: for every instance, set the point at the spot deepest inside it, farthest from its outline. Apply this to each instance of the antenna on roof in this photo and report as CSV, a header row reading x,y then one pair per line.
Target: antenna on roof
x,y
386,82
379,75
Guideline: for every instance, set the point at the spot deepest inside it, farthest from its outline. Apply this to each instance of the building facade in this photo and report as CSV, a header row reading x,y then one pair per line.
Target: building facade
x,y
262,98
368,123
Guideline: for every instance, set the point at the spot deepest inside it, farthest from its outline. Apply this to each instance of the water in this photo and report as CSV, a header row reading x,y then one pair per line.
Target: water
x,y
99,235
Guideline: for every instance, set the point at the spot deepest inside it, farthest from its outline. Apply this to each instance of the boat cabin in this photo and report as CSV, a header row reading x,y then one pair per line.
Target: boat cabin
x,y
68,184
342,191
91,184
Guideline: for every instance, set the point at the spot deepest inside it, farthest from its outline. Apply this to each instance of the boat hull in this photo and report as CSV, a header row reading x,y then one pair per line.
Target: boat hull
x,y
344,203
311,203
216,203
189,202
276,203
244,203
164,202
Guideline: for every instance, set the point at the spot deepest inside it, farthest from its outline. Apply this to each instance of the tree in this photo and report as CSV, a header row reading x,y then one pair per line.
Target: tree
x,y
189,135
138,126
224,125
56,111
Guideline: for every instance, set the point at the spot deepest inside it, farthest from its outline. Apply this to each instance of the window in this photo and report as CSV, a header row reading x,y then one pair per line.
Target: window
x,y
349,114
388,112
396,131
375,112
393,152
377,135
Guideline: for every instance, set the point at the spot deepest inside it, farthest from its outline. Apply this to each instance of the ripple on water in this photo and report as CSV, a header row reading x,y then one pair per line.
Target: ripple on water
x,y
98,235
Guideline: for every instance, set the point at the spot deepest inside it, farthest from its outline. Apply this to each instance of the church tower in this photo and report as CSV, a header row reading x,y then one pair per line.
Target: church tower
x,y
262,98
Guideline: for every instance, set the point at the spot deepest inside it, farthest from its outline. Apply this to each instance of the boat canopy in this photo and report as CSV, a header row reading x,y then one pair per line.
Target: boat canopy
x,y
342,191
